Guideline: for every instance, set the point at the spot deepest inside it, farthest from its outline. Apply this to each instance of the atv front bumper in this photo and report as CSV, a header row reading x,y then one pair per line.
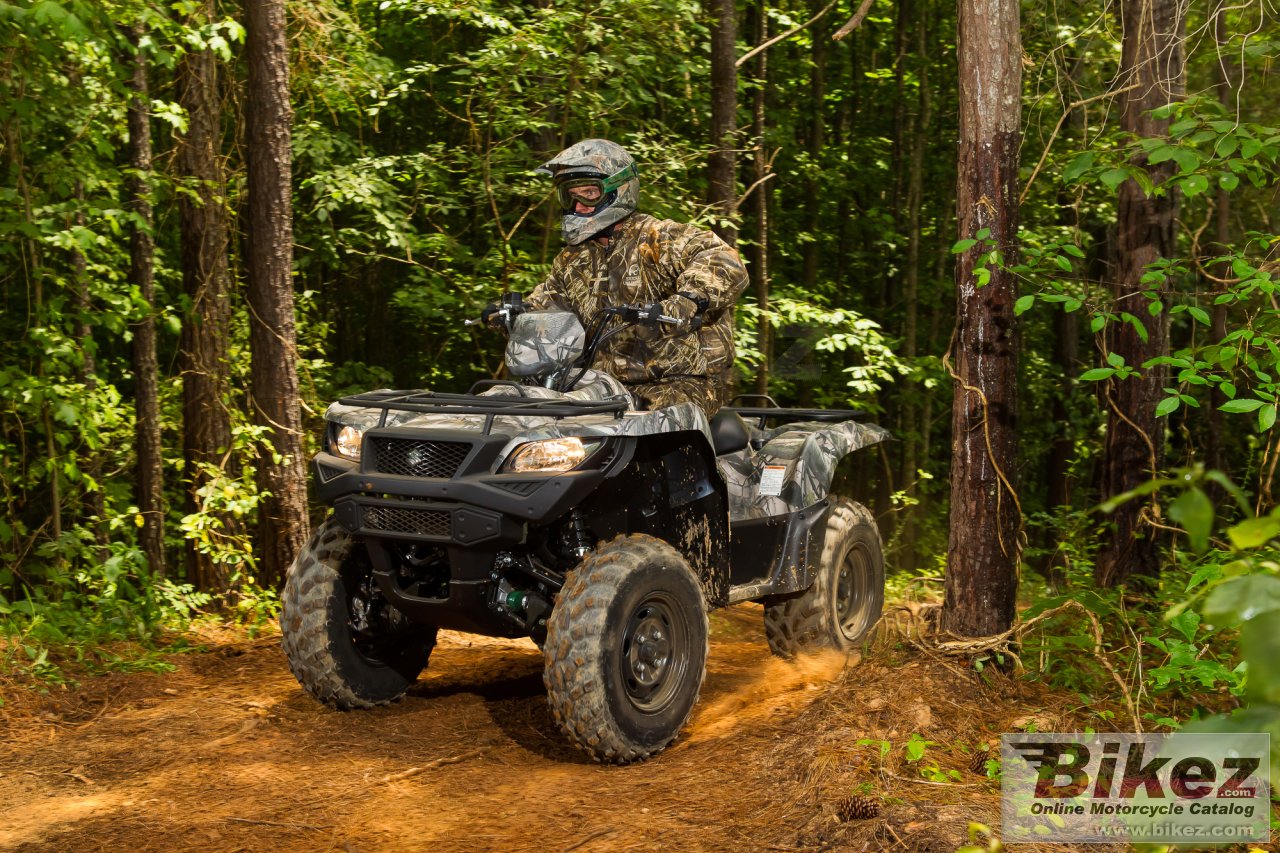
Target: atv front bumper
x,y
466,504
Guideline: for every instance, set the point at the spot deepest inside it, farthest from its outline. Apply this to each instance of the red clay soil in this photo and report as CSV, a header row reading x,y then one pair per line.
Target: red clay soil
x,y
228,754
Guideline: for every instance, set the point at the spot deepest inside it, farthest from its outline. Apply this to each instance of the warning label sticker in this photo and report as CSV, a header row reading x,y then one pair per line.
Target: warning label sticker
x,y
771,479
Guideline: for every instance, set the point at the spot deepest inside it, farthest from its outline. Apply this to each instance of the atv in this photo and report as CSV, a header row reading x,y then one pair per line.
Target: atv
x,y
547,506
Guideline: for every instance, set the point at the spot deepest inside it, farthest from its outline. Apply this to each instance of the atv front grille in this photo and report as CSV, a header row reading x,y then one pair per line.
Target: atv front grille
x,y
415,522
413,458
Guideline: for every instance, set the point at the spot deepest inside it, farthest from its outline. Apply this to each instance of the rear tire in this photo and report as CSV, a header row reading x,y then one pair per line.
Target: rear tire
x,y
347,646
844,602
626,649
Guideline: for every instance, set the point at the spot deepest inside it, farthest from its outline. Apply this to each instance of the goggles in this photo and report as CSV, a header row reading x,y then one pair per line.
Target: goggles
x,y
593,191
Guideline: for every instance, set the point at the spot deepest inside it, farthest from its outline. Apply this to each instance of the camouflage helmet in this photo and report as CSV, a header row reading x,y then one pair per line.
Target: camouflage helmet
x,y
604,164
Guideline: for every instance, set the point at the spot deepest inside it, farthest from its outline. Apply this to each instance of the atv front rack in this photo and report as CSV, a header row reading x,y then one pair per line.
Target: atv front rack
x,y
431,403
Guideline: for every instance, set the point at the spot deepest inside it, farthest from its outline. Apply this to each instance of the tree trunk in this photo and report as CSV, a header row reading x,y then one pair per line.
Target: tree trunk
x,y
203,357
1151,58
816,140
150,466
272,336
1215,457
94,502
722,191
983,551
760,168
909,404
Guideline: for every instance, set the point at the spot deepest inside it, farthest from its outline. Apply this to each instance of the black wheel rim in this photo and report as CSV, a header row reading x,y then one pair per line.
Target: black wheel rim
x,y
378,632
852,600
655,652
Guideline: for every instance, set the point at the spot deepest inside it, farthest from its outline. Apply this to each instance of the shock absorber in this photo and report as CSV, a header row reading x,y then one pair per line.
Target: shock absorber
x,y
582,542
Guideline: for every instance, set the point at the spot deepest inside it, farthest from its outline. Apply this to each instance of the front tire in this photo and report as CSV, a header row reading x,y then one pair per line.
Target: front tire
x,y
626,649
347,646
844,602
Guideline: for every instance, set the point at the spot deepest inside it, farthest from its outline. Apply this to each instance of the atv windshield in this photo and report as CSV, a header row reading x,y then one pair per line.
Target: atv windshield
x,y
544,341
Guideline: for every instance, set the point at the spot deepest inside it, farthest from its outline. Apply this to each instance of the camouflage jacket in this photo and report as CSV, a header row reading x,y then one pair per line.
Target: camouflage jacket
x,y
690,271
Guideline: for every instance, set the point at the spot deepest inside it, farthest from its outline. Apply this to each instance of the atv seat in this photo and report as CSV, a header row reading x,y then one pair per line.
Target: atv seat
x,y
729,432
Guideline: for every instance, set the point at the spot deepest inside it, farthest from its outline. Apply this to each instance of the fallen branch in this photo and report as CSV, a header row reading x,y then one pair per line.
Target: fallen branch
x,y
1001,642
431,765
592,837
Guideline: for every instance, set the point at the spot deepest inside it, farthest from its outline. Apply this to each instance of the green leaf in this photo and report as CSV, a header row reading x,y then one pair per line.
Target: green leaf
x,y
1188,159
1240,406
1266,418
1194,185
1138,326
1113,178
962,246
1097,374
1228,181
1073,250
1167,406
1194,511
1254,532
1024,304
1062,263
1186,623
1096,324
1201,317
1115,359
1077,167
1260,643
1240,599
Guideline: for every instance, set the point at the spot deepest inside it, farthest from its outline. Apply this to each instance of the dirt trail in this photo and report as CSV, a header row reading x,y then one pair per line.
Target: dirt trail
x,y
228,754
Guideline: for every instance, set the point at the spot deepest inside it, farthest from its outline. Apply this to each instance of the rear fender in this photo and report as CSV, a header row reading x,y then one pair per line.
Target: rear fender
x,y
795,467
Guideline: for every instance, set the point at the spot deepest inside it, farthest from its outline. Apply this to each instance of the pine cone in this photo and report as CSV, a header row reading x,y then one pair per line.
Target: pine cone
x,y
859,808
978,764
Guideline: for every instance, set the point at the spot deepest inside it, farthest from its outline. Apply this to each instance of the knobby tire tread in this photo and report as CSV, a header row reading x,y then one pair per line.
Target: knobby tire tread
x,y
574,679
801,620
306,631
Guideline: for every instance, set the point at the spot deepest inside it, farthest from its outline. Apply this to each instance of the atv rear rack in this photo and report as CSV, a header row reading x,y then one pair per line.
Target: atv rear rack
x,y
774,412
431,403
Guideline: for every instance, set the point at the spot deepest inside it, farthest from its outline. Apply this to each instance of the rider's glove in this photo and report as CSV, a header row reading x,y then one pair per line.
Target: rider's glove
x,y
488,314
681,313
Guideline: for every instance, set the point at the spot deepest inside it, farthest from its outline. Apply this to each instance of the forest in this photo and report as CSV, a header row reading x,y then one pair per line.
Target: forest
x,y
1036,241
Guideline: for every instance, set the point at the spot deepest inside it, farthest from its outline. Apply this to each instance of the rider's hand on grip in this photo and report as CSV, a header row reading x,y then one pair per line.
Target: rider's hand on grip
x,y
649,316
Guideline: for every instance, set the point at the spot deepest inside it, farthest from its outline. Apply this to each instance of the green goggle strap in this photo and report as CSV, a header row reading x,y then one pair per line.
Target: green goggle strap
x,y
617,179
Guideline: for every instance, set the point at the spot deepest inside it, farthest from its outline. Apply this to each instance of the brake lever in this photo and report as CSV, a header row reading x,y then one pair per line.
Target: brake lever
x,y
661,318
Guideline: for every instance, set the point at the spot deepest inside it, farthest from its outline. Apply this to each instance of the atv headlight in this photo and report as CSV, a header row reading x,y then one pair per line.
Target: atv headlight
x,y
345,442
551,454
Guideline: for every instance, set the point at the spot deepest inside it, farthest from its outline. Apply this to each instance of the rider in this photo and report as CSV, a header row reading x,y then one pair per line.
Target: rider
x,y
618,257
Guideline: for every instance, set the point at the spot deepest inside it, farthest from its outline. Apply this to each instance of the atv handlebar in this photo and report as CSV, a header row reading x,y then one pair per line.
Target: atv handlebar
x,y
641,314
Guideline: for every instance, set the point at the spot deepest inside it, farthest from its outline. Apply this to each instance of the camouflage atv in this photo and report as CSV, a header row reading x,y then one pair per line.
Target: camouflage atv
x,y
550,508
